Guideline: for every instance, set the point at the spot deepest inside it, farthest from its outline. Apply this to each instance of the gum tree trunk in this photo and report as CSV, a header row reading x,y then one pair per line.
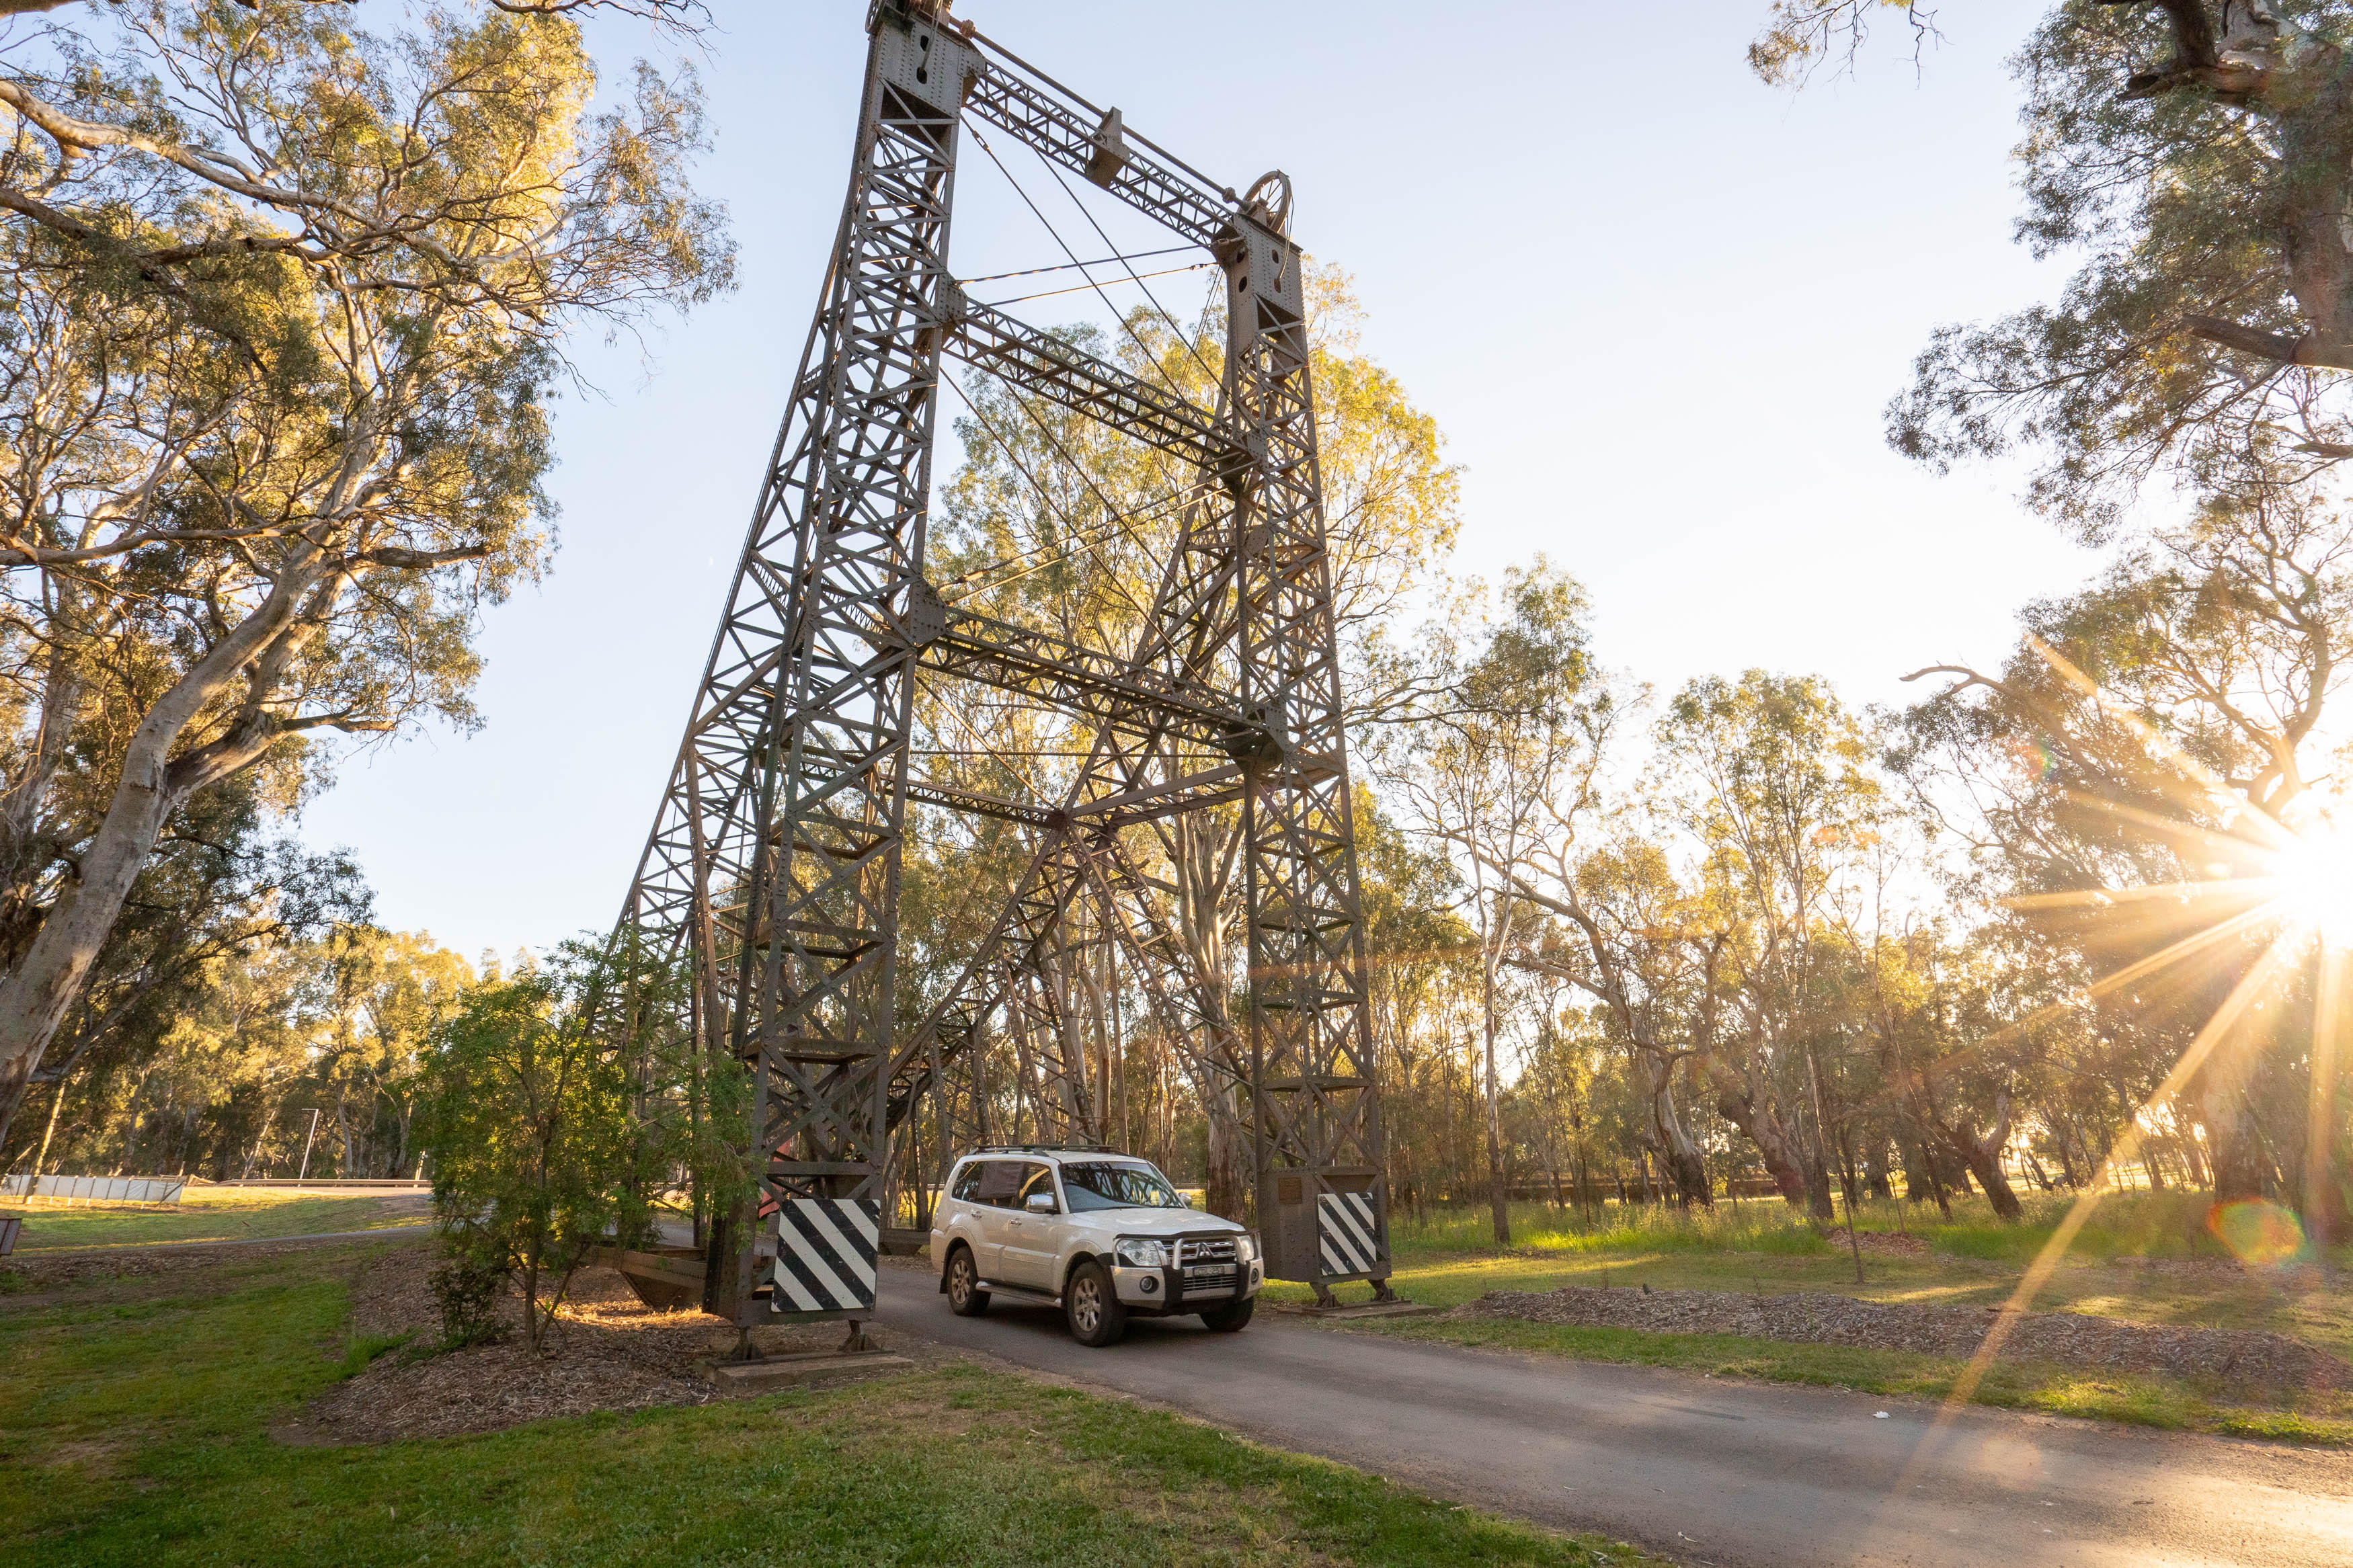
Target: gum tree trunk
x,y
45,985
1982,1157
1745,1110
1498,1198
1677,1151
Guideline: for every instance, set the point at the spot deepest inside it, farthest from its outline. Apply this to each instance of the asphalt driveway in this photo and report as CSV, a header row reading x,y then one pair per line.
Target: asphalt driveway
x,y
1706,1471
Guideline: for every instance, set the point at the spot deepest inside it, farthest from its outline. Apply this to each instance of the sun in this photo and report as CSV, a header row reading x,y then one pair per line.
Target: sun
x,y
2314,877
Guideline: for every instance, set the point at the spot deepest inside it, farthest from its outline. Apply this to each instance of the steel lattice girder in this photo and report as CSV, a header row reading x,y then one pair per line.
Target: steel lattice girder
x,y
773,865
988,339
1139,700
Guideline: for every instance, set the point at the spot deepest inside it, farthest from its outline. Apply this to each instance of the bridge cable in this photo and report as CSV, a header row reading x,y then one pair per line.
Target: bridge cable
x,y
1057,235
1182,336
1066,265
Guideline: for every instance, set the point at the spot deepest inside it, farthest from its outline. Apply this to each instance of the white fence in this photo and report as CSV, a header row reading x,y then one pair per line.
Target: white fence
x,y
97,1189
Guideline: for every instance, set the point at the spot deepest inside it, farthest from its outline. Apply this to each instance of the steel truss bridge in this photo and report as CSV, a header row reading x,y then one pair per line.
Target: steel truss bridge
x,y
772,875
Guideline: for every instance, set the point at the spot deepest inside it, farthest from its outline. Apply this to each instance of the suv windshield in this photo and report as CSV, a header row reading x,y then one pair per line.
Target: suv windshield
x,y
1109,1186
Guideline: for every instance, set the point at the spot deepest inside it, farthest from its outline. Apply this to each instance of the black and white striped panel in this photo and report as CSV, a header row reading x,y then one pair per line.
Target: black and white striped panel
x,y
1349,1239
824,1254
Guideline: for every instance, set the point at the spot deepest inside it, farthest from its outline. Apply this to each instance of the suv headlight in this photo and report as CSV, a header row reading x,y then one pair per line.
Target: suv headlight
x,y
1246,1249
1142,1252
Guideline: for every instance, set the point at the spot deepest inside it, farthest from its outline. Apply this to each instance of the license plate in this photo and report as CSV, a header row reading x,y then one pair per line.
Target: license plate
x,y
1209,1274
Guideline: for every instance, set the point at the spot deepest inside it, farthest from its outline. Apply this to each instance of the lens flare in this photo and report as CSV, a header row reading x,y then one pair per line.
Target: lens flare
x,y
2260,1234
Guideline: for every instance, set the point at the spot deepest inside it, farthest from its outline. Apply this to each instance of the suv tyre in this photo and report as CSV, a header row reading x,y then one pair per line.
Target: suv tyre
x,y
965,1295
1091,1304
1232,1317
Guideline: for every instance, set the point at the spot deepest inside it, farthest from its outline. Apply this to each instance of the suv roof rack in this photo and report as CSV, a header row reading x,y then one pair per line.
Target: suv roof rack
x,y
1045,1149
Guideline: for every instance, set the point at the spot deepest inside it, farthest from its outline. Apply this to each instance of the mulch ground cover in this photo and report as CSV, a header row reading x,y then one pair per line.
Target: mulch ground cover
x,y
2272,1365
607,1351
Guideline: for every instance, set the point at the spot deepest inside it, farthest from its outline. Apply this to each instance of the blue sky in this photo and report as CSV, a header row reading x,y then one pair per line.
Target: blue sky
x,y
1655,306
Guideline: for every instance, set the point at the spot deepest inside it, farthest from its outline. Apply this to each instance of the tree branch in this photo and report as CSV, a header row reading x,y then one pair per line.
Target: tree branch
x,y
2270,346
394,556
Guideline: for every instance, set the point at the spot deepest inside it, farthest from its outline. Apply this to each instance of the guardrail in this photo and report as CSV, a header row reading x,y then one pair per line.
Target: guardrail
x,y
96,1189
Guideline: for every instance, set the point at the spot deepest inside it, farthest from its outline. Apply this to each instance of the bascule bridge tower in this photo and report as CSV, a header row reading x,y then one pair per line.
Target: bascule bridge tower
x,y
772,873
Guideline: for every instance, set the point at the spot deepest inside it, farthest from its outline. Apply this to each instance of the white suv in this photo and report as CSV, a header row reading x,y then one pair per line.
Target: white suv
x,y
1103,1237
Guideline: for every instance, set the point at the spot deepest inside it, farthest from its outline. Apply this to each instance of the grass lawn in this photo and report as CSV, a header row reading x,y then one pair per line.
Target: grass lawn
x,y
1975,1261
134,1431
216,1214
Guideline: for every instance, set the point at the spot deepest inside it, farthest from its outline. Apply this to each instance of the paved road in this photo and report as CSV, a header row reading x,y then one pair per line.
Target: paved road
x,y
1701,1470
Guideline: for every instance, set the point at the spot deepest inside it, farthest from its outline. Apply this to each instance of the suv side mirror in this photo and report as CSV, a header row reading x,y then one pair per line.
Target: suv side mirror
x,y
1041,1203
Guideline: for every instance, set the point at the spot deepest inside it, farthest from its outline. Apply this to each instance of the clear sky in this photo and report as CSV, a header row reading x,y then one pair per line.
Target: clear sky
x,y
1655,306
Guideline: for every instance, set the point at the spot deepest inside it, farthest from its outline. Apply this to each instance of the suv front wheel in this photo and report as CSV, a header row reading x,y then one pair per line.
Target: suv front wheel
x,y
965,1295
1093,1306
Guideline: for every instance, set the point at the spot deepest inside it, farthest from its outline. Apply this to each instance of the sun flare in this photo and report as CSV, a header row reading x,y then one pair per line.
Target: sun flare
x,y
2315,876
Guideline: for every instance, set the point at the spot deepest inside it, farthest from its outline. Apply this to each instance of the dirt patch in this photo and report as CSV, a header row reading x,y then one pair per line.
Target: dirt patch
x,y
2272,1365
609,1350
1881,1243
94,1457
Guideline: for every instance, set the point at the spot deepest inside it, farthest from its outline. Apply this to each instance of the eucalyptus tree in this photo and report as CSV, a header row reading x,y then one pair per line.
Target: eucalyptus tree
x,y
390,991
1418,948
1632,931
1516,739
2199,158
1771,778
1474,788
284,301
1513,722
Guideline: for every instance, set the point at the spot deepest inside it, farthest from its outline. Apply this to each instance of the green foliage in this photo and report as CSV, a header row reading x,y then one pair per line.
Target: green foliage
x,y
561,1104
2174,347
536,1152
168,1005
2172,724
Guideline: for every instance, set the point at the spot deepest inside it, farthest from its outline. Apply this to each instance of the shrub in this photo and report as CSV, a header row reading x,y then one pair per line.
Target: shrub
x,y
559,1105
536,1156
468,1288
